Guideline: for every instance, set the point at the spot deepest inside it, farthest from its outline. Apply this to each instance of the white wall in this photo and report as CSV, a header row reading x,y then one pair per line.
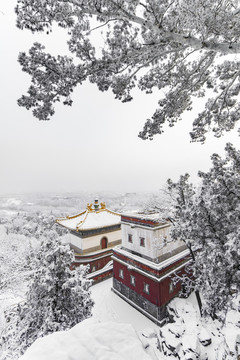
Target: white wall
x,y
157,241
76,241
95,241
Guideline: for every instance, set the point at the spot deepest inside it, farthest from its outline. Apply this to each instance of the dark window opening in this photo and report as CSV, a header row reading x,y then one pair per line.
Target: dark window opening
x,y
142,241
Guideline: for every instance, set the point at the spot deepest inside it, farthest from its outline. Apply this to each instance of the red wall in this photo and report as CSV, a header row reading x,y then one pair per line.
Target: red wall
x,y
100,277
98,263
165,296
153,295
159,291
146,268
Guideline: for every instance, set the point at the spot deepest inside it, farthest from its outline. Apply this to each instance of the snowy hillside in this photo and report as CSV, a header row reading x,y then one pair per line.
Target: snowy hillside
x,y
89,341
117,331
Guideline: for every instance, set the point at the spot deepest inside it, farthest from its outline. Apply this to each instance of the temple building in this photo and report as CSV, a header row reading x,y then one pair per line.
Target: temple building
x,y
145,263
92,235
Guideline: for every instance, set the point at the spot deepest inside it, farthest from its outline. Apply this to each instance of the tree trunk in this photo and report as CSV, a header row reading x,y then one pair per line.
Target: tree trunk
x,y
199,301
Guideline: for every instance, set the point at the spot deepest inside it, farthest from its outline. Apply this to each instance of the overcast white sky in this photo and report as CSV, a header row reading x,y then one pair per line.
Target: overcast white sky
x,y
90,146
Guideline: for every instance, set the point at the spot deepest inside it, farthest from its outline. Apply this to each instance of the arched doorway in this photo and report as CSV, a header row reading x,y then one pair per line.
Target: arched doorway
x,y
104,242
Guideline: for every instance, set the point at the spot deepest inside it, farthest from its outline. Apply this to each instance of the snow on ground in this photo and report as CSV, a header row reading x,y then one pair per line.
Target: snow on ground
x,y
110,307
114,332
117,331
89,341
188,337
7,213
12,202
192,337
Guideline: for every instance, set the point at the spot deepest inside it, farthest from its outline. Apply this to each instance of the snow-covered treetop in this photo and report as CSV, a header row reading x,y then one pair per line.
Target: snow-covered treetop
x,y
179,46
208,219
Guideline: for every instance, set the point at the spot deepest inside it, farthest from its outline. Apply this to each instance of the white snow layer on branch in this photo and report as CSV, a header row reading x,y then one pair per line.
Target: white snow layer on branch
x,y
148,44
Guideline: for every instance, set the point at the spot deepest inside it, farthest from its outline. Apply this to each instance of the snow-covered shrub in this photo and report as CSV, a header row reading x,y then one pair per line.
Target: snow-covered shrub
x,y
34,224
15,258
57,299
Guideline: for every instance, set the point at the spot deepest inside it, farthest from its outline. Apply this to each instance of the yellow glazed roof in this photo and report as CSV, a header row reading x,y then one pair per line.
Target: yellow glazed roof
x,y
94,217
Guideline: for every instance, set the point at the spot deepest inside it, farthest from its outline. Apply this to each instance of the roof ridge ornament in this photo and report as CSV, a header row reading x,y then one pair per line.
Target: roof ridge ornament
x,y
103,205
89,207
96,205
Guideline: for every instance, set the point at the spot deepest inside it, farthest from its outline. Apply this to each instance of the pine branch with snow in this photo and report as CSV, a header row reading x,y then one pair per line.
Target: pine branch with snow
x,y
182,48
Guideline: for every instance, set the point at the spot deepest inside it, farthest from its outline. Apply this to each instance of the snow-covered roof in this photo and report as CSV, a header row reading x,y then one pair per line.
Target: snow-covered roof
x,y
153,219
94,217
163,264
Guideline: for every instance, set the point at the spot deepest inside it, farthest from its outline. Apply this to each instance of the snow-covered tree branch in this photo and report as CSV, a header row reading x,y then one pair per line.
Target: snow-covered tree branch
x,y
179,46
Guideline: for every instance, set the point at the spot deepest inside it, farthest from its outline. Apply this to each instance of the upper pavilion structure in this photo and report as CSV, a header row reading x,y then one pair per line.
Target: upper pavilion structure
x,y
92,234
95,218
